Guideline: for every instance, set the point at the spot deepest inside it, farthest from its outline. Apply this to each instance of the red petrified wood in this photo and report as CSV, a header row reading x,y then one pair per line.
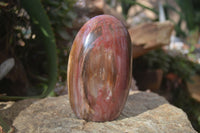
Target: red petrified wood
x,y
99,69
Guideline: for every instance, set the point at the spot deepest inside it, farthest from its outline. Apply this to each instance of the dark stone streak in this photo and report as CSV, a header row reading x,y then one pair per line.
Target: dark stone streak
x,y
93,36
84,75
80,54
110,27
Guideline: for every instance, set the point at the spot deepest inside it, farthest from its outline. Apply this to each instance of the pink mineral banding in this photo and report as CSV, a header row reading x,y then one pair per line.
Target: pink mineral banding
x,y
100,69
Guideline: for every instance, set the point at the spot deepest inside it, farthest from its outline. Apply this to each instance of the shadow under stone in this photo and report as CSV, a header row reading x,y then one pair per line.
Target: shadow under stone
x,y
140,102
10,110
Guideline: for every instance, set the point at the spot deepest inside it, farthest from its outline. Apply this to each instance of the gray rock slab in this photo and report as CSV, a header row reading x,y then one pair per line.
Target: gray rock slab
x,y
10,110
144,112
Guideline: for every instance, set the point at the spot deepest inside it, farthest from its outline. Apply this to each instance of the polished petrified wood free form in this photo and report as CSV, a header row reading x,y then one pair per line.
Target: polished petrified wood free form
x,y
99,69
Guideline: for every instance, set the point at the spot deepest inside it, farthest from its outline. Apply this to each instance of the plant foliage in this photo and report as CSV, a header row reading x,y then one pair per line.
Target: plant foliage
x,y
178,64
61,15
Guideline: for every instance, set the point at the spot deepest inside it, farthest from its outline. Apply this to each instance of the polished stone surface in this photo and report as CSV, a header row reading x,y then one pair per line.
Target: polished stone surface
x,y
99,69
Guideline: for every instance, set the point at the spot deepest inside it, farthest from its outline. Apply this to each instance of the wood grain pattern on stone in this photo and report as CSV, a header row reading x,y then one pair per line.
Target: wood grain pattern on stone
x,y
99,69
148,36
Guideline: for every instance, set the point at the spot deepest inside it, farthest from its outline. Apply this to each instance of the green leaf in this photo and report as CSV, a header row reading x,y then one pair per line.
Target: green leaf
x,y
72,15
3,4
188,12
143,6
64,6
53,2
67,23
63,34
36,12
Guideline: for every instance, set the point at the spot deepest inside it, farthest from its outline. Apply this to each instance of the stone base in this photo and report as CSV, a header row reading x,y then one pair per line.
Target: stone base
x,y
143,113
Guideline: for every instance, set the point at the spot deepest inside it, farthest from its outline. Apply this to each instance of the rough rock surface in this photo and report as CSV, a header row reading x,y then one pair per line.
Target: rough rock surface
x,y
143,112
151,34
10,110
193,88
